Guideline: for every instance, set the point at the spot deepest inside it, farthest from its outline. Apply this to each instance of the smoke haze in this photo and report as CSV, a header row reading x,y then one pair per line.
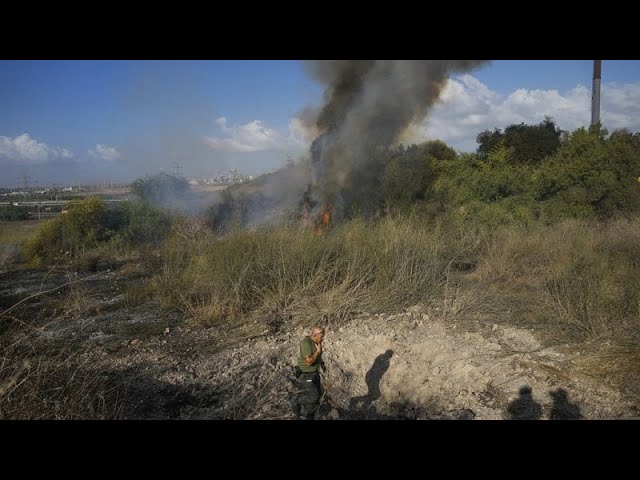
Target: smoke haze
x,y
368,104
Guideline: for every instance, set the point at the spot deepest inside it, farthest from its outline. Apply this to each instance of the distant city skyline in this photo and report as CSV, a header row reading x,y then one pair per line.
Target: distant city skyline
x,y
71,122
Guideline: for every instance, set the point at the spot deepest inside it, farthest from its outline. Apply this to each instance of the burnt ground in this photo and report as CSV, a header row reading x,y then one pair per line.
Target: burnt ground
x,y
412,365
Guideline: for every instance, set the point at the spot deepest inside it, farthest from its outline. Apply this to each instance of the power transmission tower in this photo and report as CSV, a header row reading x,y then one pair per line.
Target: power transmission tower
x,y
25,181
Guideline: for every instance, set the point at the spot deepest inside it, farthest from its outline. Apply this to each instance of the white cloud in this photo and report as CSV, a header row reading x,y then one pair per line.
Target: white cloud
x,y
468,107
104,152
25,149
255,136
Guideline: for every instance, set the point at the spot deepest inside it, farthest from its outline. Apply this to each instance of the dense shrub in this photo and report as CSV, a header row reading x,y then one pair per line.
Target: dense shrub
x,y
162,189
591,175
140,223
83,226
91,223
13,213
588,174
525,143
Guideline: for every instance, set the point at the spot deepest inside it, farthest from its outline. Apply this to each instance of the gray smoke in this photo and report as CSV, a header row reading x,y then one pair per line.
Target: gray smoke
x,y
368,105
270,199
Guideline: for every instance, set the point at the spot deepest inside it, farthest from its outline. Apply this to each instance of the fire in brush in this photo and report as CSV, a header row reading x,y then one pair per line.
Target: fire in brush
x,y
368,105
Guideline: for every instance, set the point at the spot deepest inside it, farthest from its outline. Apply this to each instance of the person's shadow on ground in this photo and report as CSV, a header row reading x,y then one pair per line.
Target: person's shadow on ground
x,y
562,408
524,407
372,378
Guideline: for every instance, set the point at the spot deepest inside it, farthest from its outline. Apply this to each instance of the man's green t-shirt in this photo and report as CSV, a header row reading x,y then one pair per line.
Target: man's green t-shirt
x,y
308,348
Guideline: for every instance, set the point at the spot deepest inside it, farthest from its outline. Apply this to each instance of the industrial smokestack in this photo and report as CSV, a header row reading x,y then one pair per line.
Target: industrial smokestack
x,y
595,96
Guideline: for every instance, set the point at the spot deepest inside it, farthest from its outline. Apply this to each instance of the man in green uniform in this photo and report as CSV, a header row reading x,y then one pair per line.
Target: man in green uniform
x,y
309,380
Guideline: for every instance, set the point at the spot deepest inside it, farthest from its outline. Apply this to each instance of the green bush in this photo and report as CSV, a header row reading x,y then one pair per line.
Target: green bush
x,y
90,223
525,143
141,224
591,175
407,176
13,213
161,189
410,172
496,178
83,226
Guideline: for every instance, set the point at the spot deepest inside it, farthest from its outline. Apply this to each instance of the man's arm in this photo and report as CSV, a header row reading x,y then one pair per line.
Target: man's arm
x,y
310,359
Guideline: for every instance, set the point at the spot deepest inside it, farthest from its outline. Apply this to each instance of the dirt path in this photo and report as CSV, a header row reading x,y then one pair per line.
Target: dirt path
x,y
413,365
421,367
408,366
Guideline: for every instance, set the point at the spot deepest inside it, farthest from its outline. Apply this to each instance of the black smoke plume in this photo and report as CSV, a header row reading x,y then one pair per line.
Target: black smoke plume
x,y
368,105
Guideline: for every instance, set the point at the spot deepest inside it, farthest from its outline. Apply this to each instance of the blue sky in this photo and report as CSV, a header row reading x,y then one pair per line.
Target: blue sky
x,y
93,121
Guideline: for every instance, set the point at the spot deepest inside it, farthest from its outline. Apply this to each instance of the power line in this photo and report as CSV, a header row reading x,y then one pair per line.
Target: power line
x,y
25,181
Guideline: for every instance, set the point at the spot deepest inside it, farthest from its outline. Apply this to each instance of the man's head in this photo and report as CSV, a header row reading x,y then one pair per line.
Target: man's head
x,y
317,334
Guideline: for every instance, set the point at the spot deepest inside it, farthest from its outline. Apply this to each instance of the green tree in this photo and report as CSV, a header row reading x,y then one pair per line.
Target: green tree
x,y
83,226
161,189
140,223
496,178
11,213
591,174
526,143
410,171
404,176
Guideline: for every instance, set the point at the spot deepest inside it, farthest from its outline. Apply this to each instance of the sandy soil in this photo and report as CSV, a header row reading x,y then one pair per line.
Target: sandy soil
x,y
412,365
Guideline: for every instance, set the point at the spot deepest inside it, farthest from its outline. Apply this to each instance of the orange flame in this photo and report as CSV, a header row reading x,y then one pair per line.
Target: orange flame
x,y
323,222
326,216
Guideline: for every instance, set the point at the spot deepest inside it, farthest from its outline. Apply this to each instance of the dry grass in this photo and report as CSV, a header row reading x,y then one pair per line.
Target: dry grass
x,y
47,381
578,279
384,265
619,362
12,237
583,279
14,233
54,385
136,295
584,274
